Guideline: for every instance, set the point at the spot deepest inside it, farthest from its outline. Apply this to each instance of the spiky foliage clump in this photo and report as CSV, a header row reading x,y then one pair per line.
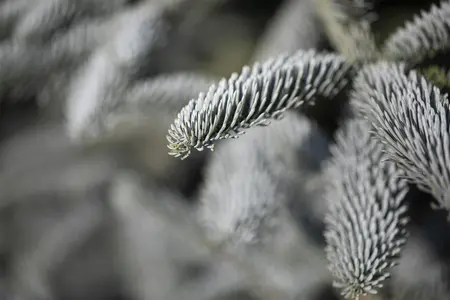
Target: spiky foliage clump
x,y
410,116
349,27
421,38
244,199
424,38
240,204
252,180
255,96
292,150
365,228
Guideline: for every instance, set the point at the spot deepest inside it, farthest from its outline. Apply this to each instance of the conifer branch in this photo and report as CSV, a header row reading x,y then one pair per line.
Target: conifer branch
x,y
254,97
424,36
412,118
366,224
